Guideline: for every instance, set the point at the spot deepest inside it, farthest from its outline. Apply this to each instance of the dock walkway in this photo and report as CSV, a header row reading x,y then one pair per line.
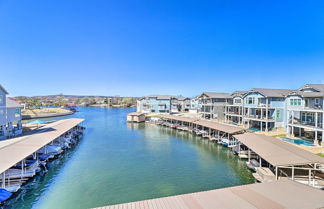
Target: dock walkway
x,y
282,194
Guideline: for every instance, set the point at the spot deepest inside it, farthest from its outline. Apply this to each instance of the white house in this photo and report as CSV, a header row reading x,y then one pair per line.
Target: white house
x,y
10,116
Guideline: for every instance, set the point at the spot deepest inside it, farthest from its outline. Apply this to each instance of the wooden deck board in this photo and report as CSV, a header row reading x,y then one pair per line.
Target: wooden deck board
x,y
253,196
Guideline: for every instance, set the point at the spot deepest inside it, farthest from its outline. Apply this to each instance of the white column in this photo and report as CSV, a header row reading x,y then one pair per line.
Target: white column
x,y
316,121
292,123
315,140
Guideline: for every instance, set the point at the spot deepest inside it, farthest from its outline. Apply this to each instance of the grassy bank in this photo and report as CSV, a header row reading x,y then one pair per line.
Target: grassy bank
x,y
45,111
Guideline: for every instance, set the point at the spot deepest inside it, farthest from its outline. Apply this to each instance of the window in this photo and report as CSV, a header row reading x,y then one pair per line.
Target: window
x,y
317,101
295,102
1,99
250,100
278,115
237,101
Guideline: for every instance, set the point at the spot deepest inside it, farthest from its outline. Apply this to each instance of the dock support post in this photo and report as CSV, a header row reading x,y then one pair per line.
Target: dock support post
x,y
293,173
249,155
276,172
309,176
4,179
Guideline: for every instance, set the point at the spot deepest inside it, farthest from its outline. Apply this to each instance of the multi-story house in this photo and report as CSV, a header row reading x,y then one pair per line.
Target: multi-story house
x,y
213,105
234,108
10,116
265,109
155,104
184,104
305,112
195,104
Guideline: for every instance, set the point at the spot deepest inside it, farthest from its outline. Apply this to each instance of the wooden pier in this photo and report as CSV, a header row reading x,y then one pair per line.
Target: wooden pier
x,y
283,194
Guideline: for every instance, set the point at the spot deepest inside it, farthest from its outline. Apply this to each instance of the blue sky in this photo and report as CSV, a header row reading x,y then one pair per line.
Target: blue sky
x,y
135,48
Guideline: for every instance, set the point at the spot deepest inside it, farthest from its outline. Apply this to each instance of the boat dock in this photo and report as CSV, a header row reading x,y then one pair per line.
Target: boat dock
x,y
222,133
269,158
136,117
282,194
278,159
25,156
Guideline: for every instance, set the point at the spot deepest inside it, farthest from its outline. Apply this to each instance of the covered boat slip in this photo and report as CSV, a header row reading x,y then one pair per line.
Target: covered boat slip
x,y
179,118
22,147
279,195
208,129
284,159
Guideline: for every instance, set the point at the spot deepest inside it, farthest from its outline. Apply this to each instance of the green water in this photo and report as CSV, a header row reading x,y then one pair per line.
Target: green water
x,y
116,162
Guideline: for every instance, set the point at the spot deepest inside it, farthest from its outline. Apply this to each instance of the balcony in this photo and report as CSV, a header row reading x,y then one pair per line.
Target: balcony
x,y
258,117
234,113
306,124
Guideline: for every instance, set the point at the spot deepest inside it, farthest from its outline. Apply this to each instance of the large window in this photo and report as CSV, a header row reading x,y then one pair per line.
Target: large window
x,y
1,99
317,101
295,102
250,100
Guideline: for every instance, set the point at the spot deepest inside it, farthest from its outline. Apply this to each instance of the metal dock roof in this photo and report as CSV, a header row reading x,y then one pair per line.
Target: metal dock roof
x,y
276,151
22,147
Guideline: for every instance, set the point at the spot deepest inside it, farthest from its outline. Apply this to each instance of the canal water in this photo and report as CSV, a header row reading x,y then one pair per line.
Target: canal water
x,y
116,162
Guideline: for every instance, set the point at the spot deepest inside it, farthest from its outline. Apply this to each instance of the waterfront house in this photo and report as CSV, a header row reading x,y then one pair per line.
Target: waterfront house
x,y
10,116
265,109
234,108
155,104
213,105
305,112
180,104
195,104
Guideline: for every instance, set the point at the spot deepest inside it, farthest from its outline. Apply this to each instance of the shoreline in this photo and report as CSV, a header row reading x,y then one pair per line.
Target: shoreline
x,y
28,117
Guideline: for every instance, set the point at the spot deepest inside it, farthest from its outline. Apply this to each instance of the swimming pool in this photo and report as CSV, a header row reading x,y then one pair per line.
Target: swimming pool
x,y
298,141
254,129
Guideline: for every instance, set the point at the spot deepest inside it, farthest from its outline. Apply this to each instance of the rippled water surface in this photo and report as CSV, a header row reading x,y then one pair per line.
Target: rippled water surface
x,y
116,162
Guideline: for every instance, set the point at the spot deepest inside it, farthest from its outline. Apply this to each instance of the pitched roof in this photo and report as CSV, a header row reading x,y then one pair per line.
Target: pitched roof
x,y
3,89
319,91
161,97
135,114
182,98
307,94
216,95
239,93
10,102
318,87
278,152
272,92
